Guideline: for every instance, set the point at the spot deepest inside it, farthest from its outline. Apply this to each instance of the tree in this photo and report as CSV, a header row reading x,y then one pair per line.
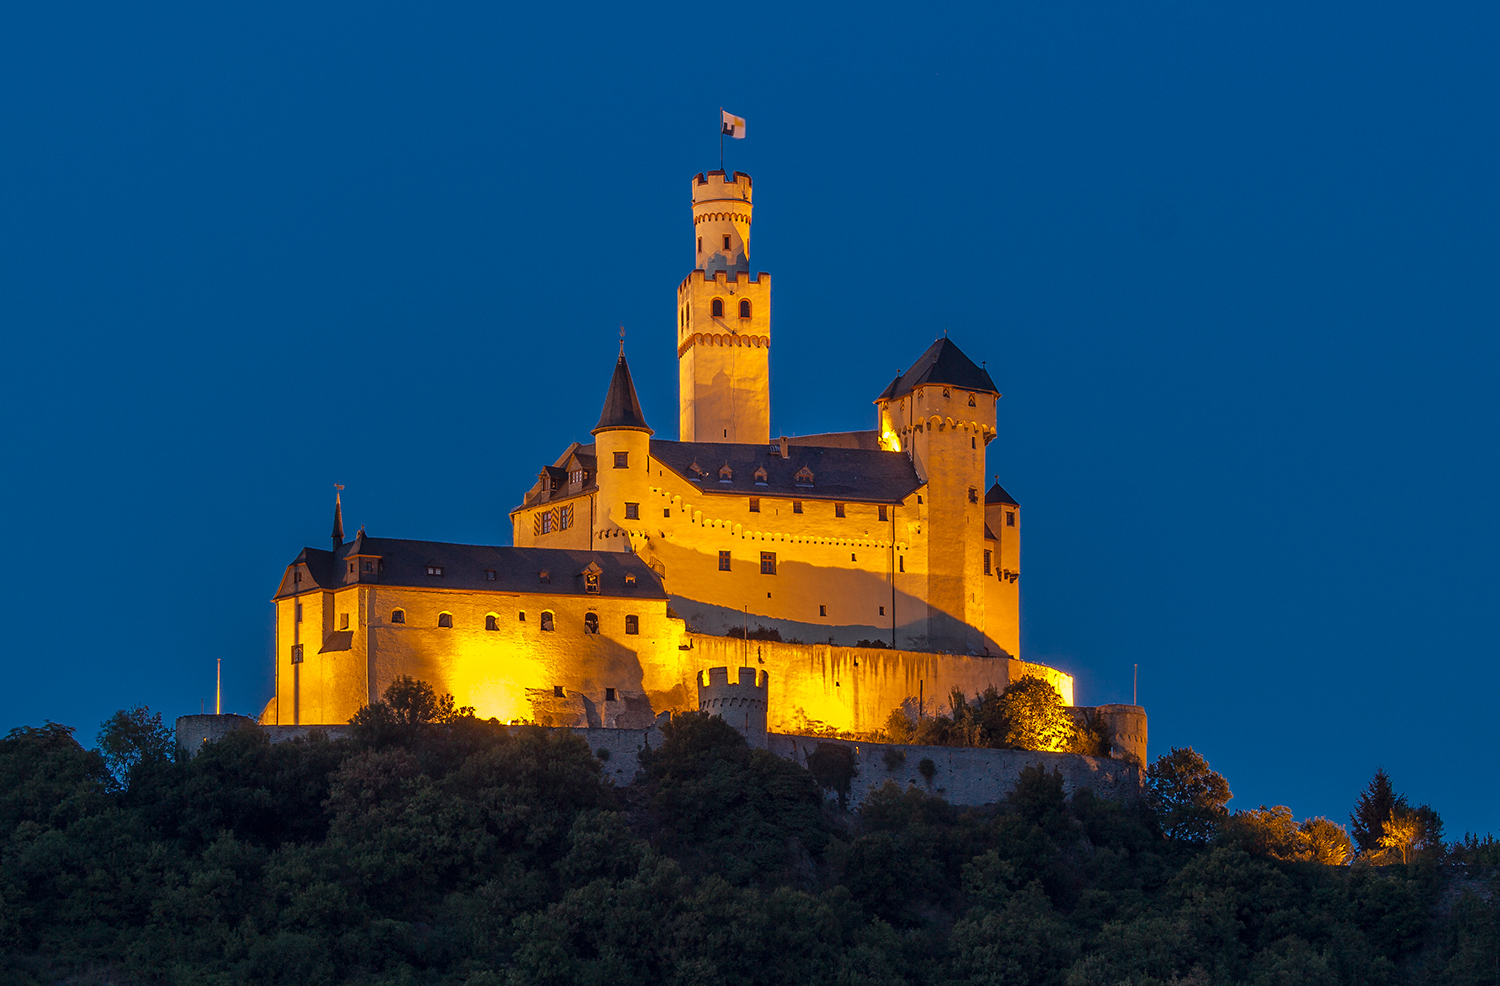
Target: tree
x,y
1266,832
404,710
834,767
1327,842
1189,796
133,738
1035,717
1373,810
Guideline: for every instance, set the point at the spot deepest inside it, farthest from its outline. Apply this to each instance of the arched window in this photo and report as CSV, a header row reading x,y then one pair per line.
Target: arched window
x,y
718,308
445,620
744,308
492,622
398,616
547,620
591,623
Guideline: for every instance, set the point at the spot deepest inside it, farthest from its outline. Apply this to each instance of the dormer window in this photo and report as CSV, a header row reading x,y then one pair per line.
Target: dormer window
x,y
630,578
726,474
489,575
760,476
804,477
544,577
369,567
695,472
436,571
591,582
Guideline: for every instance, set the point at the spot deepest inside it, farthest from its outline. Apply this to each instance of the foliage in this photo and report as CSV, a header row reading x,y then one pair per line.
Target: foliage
x,y
759,633
1373,810
135,739
455,851
1327,842
833,766
1189,797
1028,715
405,710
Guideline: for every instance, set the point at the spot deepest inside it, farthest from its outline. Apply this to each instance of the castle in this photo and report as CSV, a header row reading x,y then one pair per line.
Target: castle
x,y
876,564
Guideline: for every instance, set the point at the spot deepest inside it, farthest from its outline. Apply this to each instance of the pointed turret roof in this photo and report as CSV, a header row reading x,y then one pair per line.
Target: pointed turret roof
x,y
945,364
997,494
622,408
338,520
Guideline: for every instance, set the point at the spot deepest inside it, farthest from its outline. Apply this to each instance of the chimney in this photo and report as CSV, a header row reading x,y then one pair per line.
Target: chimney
x,y
783,447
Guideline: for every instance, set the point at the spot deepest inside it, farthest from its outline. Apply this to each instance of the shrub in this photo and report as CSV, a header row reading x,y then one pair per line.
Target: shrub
x,y
834,767
1188,796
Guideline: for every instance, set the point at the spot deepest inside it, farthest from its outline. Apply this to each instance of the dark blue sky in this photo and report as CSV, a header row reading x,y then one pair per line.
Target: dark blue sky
x,y
1235,272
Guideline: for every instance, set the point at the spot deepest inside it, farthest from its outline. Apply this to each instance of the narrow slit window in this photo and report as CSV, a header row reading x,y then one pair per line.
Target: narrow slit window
x,y
884,512
900,563
822,610
726,241
988,555
1010,518
882,611
296,653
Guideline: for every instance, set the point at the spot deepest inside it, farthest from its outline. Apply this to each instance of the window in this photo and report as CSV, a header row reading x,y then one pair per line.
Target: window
x,y
919,498
591,582
726,241
987,556
297,615
492,622
700,244
557,691
971,400
369,566
609,695
445,620
718,308
822,610
544,577
882,611
622,460
946,392
851,557
1010,518
521,617
804,477
489,575
398,616
695,472
760,476
591,623
726,474
768,563
838,510
344,621
630,578
547,621
632,625
723,561
666,511
973,443
744,308
884,513
796,506
632,511
755,504
436,571
901,563
973,495
351,568
296,578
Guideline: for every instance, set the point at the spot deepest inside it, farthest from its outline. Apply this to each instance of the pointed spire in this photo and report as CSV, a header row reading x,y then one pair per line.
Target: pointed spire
x,y
338,517
622,408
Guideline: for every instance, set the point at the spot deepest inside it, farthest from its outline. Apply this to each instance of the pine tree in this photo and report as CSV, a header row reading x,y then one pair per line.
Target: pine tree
x,y
1373,810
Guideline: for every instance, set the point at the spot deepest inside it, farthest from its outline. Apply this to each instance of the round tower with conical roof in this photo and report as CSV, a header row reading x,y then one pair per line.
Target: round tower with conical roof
x,y
622,444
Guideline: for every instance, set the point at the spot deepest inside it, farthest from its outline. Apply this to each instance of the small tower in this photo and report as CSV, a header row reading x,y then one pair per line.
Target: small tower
x,y
723,322
338,518
742,704
622,443
941,412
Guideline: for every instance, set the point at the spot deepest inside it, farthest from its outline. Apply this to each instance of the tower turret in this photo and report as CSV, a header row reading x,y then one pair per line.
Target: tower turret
x,y
723,322
622,443
742,703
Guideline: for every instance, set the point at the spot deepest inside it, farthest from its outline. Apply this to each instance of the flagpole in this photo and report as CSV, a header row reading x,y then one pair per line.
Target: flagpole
x,y
721,138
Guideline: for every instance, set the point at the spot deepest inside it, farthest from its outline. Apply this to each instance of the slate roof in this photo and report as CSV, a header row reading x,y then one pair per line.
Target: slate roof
x,y
840,439
838,473
997,494
622,408
943,363
404,563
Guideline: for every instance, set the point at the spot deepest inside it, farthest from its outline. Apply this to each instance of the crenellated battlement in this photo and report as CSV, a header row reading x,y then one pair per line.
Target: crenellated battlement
x,y
723,279
712,185
743,703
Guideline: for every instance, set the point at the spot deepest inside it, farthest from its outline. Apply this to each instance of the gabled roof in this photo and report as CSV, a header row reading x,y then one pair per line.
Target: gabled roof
x,y
622,408
466,566
943,363
838,473
997,494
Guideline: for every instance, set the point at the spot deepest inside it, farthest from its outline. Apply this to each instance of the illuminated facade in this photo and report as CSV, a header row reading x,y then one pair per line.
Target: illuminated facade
x,y
639,553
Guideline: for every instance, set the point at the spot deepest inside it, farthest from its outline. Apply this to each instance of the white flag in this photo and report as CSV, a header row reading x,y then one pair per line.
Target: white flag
x,y
734,126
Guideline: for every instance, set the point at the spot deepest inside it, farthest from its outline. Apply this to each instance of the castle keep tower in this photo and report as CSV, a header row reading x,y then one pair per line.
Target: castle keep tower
x,y
723,322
